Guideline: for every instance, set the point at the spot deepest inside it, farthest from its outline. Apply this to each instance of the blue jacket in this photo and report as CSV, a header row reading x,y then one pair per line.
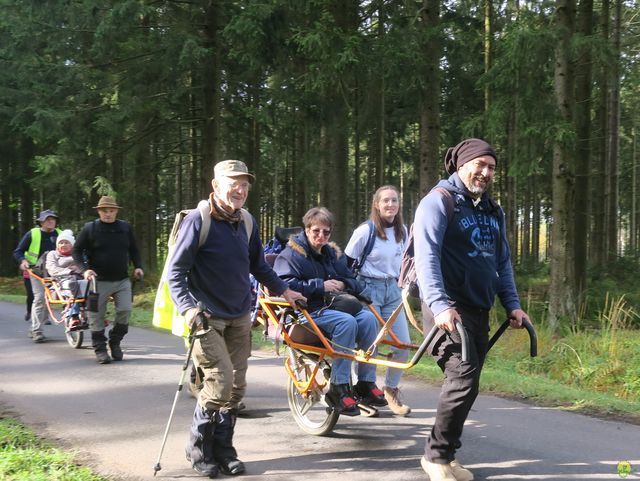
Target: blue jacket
x,y
305,270
217,274
467,260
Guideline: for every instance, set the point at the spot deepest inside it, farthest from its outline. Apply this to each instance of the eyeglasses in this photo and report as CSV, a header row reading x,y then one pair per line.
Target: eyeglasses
x,y
317,232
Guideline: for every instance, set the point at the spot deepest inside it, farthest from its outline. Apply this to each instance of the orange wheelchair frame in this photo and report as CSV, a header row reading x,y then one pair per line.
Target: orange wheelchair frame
x,y
59,308
308,355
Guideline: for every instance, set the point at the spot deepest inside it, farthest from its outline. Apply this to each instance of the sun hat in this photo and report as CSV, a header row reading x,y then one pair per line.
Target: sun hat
x,y
232,168
107,202
46,213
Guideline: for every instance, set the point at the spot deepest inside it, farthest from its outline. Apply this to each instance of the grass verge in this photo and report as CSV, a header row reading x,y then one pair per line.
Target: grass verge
x,y
26,457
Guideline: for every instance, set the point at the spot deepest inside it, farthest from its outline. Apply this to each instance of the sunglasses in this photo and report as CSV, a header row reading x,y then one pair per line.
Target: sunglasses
x,y
325,232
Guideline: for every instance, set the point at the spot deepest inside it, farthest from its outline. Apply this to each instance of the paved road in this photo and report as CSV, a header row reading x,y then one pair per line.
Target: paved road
x,y
114,417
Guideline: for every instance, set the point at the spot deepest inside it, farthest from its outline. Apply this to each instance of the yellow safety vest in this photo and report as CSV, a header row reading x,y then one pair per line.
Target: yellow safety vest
x,y
34,248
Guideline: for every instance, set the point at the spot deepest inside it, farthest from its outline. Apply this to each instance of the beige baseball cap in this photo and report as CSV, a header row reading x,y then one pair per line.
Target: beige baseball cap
x,y
232,168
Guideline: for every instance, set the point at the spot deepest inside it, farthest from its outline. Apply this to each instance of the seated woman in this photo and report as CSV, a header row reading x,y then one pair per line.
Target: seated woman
x,y
313,267
61,266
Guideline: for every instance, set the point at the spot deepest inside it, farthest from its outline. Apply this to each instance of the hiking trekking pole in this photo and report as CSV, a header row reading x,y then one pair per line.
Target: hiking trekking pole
x,y
193,335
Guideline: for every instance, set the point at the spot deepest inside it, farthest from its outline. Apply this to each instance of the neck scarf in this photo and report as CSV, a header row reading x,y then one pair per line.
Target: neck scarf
x,y
220,213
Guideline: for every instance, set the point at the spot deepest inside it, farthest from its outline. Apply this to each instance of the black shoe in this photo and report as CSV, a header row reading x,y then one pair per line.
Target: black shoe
x,y
342,399
116,352
47,322
103,357
27,316
231,466
205,469
369,394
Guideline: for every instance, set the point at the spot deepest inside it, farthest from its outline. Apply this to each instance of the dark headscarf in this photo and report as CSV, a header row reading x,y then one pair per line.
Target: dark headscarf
x,y
466,151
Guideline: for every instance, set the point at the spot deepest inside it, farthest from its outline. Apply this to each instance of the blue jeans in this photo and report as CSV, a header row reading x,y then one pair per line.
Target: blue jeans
x,y
346,332
386,296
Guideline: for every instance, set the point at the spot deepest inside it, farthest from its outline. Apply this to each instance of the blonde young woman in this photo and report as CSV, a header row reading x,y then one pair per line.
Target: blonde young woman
x,y
379,271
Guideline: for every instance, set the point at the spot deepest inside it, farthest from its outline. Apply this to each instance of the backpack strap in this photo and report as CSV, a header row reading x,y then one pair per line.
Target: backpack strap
x,y
448,201
205,215
247,219
368,247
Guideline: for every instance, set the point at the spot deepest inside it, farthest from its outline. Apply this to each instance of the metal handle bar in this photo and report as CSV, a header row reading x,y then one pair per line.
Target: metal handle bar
x,y
533,337
432,333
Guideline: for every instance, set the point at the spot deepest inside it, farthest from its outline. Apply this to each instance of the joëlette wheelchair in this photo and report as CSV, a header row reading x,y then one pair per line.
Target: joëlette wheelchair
x,y
65,308
309,353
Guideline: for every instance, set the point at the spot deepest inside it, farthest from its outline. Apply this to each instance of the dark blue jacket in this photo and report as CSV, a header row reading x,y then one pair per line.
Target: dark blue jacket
x,y
217,273
465,260
305,270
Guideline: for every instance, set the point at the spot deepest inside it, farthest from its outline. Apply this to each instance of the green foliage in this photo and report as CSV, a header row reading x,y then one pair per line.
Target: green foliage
x,y
25,457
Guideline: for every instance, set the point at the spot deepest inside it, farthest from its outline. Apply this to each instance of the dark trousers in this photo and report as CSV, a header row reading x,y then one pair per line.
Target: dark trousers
x,y
461,382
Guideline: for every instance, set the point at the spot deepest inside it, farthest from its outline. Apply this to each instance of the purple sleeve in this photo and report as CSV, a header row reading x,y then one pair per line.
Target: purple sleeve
x,y
430,225
507,292
259,267
23,246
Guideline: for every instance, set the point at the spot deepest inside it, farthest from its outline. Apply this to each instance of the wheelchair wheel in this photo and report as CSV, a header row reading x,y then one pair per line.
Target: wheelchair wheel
x,y
75,338
310,412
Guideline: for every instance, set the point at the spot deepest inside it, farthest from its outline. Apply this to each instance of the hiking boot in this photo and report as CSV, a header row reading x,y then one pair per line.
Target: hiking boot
x,y
392,395
342,400
369,393
103,357
460,472
116,352
231,466
38,337
437,472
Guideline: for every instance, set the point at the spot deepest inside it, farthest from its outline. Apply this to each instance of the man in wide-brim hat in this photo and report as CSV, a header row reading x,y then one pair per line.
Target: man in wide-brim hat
x,y
108,245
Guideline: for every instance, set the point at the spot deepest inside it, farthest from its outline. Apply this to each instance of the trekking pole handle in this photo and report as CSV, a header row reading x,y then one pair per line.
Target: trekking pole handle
x,y
432,334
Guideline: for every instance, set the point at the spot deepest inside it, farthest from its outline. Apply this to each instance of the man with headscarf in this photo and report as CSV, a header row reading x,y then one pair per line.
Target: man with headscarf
x,y
462,261
216,274
32,246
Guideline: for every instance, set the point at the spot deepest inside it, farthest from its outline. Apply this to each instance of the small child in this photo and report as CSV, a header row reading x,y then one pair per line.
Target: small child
x,y
60,265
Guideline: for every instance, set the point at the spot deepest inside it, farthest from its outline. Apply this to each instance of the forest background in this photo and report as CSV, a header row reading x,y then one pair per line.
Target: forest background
x,y
326,100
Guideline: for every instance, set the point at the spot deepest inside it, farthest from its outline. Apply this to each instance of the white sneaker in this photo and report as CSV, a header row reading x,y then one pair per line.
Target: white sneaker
x,y
437,472
460,472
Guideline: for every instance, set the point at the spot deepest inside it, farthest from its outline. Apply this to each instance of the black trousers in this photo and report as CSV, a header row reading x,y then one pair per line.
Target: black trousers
x,y
461,382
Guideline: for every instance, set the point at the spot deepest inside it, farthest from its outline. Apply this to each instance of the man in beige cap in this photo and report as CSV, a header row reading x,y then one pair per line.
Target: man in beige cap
x,y
216,274
108,245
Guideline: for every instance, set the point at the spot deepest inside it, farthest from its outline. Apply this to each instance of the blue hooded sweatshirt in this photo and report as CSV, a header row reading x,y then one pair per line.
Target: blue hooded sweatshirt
x,y
465,261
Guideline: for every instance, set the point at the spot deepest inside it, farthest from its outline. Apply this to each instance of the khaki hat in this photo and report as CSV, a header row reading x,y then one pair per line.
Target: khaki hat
x,y
232,168
107,202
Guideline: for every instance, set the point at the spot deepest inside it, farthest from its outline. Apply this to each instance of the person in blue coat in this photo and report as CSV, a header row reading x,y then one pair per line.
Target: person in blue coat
x,y
462,262
318,270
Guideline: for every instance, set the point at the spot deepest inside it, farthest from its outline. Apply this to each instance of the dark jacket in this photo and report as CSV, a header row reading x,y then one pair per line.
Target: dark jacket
x,y
217,273
466,260
107,248
305,270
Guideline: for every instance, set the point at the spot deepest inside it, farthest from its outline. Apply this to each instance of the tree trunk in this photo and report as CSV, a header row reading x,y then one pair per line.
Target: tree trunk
x,y
614,140
583,132
430,101
211,96
601,194
562,302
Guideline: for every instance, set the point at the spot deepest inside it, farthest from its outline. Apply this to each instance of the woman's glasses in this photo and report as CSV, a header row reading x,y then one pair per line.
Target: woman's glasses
x,y
317,232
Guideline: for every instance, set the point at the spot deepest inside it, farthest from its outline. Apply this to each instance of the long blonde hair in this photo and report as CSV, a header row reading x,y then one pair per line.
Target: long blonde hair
x,y
379,222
